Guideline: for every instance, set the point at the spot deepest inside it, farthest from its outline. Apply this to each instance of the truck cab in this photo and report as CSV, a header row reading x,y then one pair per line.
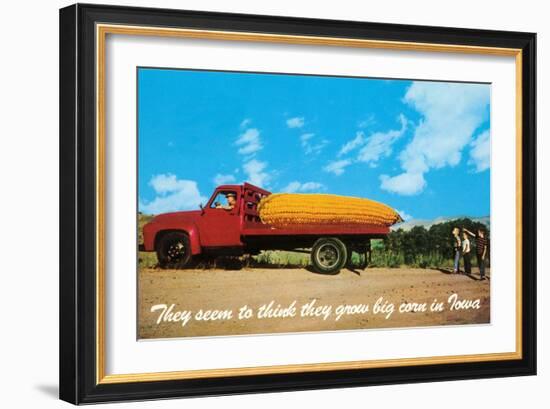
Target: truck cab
x,y
220,221
216,227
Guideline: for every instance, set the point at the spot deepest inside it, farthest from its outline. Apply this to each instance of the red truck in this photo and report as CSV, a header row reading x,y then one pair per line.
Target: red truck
x,y
235,230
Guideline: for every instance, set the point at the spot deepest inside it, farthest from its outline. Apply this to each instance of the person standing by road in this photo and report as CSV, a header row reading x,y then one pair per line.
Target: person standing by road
x,y
481,250
457,247
466,248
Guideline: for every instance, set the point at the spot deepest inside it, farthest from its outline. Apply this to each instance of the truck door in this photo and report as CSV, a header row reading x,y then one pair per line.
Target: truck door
x,y
220,222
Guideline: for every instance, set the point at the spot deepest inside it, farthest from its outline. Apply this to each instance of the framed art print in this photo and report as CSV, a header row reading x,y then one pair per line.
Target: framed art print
x,y
257,203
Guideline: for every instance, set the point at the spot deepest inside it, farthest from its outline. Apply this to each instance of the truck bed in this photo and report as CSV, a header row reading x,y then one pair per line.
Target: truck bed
x,y
337,230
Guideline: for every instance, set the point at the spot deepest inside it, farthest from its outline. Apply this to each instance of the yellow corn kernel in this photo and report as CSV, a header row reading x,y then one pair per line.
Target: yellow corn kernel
x,y
283,210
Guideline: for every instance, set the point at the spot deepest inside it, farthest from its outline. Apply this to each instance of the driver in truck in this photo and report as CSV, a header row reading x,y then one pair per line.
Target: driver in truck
x,y
231,202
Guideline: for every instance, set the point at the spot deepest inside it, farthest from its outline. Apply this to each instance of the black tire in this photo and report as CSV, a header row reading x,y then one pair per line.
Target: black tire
x,y
329,255
174,250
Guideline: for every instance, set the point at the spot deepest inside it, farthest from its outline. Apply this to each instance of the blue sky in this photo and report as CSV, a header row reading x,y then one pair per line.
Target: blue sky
x,y
421,147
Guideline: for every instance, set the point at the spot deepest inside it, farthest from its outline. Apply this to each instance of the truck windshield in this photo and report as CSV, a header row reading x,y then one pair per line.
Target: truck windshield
x,y
226,200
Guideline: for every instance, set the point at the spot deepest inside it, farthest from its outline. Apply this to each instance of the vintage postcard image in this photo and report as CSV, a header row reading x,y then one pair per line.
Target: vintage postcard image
x,y
279,203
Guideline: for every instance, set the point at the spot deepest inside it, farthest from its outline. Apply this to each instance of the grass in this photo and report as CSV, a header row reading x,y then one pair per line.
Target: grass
x,y
147,259
143,219
280,259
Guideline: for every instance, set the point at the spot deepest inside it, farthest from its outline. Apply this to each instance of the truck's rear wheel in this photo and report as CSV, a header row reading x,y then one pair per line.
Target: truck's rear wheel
x,y
329,255
174,250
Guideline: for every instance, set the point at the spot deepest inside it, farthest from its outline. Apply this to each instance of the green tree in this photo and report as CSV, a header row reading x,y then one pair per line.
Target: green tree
x,y
423,247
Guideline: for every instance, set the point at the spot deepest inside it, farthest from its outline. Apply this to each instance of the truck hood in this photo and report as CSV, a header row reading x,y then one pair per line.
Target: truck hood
x,y
190,215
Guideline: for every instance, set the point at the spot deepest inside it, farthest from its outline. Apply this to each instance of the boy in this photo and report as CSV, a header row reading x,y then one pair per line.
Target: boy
x,y
457,247
466,254
481,250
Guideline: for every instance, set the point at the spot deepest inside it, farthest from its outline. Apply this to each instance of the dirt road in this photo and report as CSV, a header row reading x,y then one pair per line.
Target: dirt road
x,y
195,292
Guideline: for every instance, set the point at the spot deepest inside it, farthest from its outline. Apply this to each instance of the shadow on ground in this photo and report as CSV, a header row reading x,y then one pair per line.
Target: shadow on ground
x,y
49,390
470,276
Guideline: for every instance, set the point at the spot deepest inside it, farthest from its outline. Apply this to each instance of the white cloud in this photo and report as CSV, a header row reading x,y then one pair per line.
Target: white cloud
x,y
379,144
404,215
310,147
372,148
303,187
173,194
480,152
296,122
165,183
221,179
245,122
451,112
337,167
349,146
249,142
370,120
406,184
256,173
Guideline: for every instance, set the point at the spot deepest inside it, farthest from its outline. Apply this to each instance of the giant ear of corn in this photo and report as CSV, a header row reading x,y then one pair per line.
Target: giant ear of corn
x,y
287,210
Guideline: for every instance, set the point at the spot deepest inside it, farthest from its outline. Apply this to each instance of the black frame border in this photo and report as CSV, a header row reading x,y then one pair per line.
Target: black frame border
x,y
77,255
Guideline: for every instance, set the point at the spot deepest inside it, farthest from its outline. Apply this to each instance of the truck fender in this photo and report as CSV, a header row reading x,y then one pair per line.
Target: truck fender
x,y
194,239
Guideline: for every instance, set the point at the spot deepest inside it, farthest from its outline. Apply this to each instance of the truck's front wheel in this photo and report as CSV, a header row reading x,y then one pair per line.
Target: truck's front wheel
x,y
174,250
329,255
